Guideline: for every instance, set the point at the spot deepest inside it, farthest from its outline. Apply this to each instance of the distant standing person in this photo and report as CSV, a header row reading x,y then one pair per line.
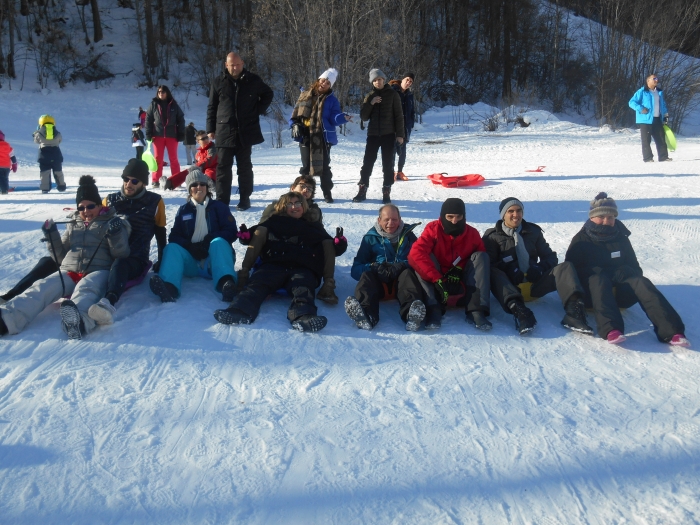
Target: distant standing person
x,y
165,126
190,142
382,107
314,119
142,117
650,107
237,99
8,162
138,140
403,88
50,156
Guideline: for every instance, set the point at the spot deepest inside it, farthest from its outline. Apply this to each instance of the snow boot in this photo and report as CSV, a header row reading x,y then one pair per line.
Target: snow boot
x,y
166,291
416,314
575,318
102,312
232,316
676,340
524,318
400,175
326,293
228,289
243,204
309,323
60,181
3,327
478,319
45,183
355,312
433,317
328,197
71,322
164,183
361,194
386,194
615,337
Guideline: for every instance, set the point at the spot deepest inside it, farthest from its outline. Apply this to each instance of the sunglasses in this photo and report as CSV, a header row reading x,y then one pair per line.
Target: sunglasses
x,y
196,184
295,204
88,207
656,79
203,139
132,181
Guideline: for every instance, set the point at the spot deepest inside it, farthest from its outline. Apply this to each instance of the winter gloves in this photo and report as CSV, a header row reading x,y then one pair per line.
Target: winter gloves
x,y
114,227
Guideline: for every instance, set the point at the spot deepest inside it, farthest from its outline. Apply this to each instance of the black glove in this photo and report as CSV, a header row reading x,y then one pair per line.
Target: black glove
x,y
156,266
514,274
389,272
534,273
623,273
297,131
341,243
48,227
199,250
114,227
452,280
441,293
666,120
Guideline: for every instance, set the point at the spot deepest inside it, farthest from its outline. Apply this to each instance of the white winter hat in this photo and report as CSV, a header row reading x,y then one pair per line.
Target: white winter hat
x,y
331,74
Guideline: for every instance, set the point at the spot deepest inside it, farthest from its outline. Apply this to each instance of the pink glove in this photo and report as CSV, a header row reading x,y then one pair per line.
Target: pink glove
x,y
14,167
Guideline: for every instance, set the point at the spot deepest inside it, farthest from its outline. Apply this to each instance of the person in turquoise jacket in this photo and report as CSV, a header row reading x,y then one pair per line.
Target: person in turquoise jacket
x,y
649,104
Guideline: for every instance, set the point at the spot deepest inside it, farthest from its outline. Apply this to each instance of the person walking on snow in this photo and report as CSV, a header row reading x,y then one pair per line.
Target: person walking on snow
x,y
165,126
650,107
382,107
8,162
403,88
313,122
50,156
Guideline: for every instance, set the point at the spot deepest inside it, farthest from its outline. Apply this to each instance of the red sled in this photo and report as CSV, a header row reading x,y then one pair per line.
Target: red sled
x,y
456,182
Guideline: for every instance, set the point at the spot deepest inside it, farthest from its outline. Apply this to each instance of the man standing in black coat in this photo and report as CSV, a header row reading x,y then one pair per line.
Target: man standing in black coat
x,y
236,101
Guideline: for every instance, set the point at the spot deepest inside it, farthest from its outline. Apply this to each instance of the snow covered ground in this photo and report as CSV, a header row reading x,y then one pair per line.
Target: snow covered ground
x,y
169,417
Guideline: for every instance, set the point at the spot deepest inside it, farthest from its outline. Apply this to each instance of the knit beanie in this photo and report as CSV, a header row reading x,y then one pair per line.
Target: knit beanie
x,y
87,190
412,76
602,205
136,169
196,176
2,136
375,74
507,203
330,74
453,206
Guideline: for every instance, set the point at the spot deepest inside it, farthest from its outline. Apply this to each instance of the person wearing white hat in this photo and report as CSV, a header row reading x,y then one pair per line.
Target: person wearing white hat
x,y
314,119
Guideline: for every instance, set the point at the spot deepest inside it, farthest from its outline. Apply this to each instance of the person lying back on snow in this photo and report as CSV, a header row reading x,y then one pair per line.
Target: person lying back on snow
x,y
292,254
520,254
612,278
381,267
93,239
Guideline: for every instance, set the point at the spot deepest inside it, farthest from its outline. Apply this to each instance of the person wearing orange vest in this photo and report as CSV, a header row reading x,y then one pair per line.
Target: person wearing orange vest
x,y
7,162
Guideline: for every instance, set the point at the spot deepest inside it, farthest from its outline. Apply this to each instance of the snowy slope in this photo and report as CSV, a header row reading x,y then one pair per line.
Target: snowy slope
x,y
168,417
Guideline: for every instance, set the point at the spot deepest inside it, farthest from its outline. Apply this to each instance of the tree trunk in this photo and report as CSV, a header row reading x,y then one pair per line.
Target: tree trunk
x,y
151,55
96,22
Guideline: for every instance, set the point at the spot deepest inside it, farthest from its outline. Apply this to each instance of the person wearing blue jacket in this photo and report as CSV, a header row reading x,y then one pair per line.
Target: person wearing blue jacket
x,y
650,107
313,122
199,244
382,271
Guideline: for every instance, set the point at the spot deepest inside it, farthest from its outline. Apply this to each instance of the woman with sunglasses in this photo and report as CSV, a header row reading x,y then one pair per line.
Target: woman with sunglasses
x,y
199,244
650,107
292,257
165,126
95,236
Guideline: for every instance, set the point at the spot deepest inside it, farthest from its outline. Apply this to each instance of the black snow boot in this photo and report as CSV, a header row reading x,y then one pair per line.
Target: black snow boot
x,y
524,318
309,323
416,313
228,289
328,197
166,291
386,194
433,317
232,316
361,194
575,318
3,327
478,319
355,312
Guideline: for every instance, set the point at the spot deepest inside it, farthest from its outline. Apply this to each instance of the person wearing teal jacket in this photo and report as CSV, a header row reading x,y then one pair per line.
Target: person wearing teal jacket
x,y
650,107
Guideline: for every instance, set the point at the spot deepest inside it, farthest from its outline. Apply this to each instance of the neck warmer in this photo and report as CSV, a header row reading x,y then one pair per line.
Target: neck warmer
x,y
134,197
393,238
200,225
455,230
520,250
600,232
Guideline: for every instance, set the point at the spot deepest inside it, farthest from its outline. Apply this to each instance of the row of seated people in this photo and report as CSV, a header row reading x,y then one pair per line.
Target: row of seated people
x,y
106,246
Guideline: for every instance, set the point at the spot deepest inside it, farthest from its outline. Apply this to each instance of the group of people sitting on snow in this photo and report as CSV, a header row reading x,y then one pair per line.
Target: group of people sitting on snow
x,y
105,248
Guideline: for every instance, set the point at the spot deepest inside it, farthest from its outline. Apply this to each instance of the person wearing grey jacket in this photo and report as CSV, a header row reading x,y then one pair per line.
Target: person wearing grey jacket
x,y
94,237
50,157
382,107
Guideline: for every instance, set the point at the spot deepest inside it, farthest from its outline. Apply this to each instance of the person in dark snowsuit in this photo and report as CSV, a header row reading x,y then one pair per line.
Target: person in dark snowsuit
x,y
612,278
237,99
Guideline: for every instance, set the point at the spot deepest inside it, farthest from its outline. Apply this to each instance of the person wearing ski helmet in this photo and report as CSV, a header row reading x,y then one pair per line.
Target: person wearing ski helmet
x,y
50,156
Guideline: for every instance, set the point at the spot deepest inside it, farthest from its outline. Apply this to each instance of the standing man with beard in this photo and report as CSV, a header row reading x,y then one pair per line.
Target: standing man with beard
x,y
237,99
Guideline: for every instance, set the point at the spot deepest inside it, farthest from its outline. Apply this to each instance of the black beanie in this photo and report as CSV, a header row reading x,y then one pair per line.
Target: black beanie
x,y
412,76
136,169
453,206
87,190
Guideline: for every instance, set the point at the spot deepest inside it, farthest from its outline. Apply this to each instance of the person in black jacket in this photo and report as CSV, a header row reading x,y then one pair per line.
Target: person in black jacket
x,y
237,99
190,142
165,126
408,105
610,273
291,250
521,257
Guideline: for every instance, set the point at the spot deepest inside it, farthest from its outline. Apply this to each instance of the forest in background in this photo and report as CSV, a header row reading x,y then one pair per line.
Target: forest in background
x,y
579,55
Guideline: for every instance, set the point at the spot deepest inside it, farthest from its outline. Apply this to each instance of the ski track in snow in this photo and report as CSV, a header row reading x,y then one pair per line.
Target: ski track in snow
x,y
168,417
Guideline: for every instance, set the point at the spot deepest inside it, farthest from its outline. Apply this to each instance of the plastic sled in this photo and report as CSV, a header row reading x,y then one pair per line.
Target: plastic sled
x,y
539,169
670,138
149,159
460,181
138,280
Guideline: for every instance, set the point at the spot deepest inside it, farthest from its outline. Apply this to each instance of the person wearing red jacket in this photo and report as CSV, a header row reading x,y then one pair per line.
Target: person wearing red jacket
x,y
205,160
450,260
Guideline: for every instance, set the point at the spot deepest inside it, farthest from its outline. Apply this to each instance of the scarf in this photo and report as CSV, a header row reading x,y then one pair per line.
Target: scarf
x,y
309,109
393,238
600,232
520,249
200,224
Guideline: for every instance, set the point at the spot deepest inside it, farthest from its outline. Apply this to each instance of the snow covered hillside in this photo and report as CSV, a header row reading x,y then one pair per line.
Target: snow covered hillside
x,y
169,417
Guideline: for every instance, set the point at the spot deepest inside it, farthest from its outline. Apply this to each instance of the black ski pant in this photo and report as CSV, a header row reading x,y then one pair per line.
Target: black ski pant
x,y
300,283
374,143
562,278
327,174
475,278
654,130
606,305
121,272
370,290
224,172
45,267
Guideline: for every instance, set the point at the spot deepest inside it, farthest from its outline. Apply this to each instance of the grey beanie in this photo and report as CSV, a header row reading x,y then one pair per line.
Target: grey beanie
x,y
196,176
507,203
374,74
602,205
